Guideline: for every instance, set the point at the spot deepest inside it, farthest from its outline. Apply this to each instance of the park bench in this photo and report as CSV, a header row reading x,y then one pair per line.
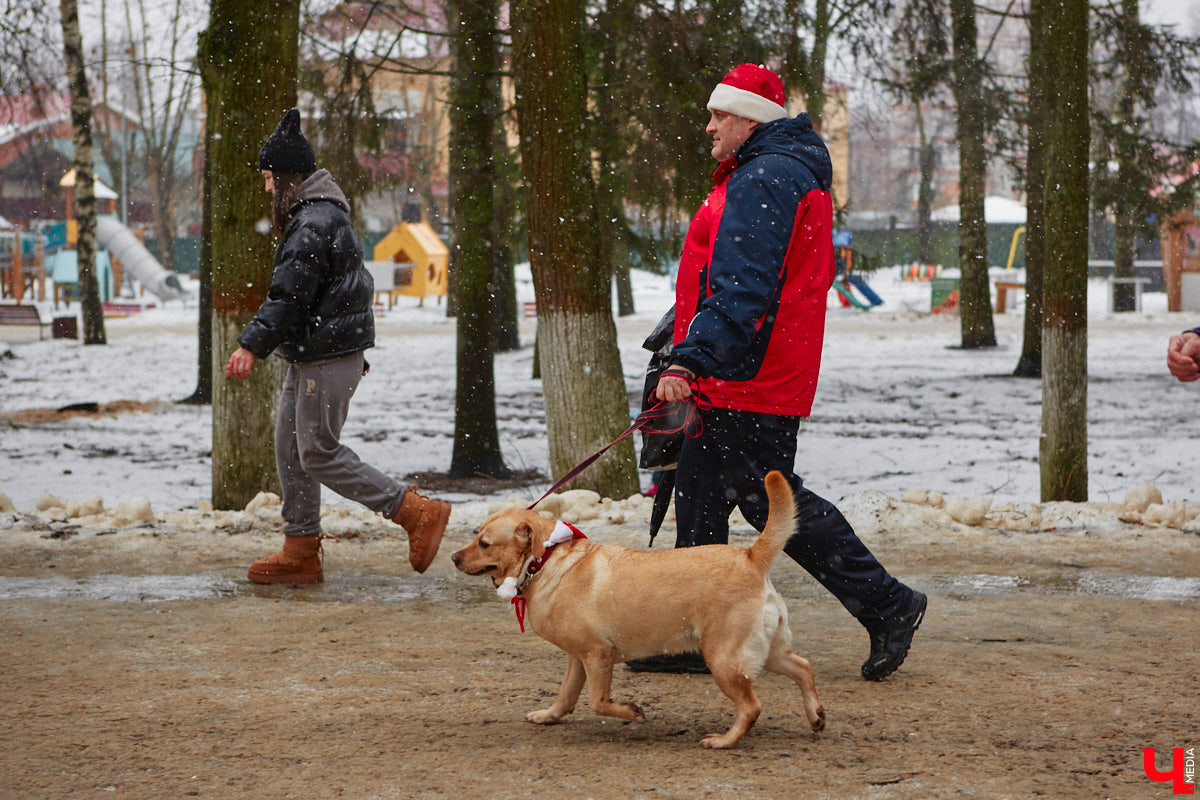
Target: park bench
x,y
1002,290
1138,285
20,314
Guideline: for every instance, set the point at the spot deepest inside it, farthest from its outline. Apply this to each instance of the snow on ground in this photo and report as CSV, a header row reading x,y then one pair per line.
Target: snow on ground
x,y
900,413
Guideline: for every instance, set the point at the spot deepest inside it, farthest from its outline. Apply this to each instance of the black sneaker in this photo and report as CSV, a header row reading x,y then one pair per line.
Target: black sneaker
x,y
889,645
690,662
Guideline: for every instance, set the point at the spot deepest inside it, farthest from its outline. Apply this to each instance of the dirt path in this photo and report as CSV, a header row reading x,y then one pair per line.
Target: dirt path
x,y
1046,664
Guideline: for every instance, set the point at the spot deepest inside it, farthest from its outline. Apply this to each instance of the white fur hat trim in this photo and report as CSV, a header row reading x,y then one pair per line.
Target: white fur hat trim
x,y
744,103
561,533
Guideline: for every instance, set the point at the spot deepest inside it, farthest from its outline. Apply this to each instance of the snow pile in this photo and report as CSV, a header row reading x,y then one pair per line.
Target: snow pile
x,y
918,511
134,511
1143,505
583,505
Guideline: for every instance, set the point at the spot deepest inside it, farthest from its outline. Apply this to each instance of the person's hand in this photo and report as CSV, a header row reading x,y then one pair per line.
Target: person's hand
x,y
674,384
239,364
1183,356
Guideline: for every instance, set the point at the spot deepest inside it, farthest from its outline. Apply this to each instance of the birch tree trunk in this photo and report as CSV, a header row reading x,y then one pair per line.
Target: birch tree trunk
x,y
248,60
474,105
85,168
975,300
1029,365
587,404
1063,449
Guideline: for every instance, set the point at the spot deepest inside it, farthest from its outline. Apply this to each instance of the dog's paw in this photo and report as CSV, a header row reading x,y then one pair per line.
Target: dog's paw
x,y
819,723
544,716
719,741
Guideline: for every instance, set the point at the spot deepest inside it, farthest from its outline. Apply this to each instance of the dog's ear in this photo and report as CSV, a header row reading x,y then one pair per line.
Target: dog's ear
x,y
529,538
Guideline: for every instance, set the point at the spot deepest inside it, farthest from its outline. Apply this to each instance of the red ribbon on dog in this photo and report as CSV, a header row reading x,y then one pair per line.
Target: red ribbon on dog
x,y
519,606
534,566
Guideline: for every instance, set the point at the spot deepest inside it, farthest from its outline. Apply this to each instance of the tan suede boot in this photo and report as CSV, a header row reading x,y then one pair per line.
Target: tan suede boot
x,y
298,562
425,520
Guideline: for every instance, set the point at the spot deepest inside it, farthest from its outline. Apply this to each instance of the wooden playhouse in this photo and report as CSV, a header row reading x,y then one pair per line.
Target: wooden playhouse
x,y
411,260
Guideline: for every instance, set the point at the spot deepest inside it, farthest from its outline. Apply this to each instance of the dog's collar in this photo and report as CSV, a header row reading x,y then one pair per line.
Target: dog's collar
x,y
563,532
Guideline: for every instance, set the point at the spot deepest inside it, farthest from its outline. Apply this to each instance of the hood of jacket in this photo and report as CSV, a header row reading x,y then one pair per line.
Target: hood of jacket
x,y
321,186
792,137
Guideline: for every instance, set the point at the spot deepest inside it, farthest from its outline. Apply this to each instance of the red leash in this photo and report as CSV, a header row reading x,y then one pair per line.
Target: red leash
x,y
692,426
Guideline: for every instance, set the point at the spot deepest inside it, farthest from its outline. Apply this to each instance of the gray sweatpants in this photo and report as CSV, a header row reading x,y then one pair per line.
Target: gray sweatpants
x,y
312,410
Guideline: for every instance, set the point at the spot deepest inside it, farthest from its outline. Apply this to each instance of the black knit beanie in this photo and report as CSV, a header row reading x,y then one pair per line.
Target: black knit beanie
x,y
286,149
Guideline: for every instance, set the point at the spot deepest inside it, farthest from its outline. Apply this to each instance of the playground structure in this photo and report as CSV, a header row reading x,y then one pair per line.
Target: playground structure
x,y
22,265
410,261
846,281
123,251
29,258
1181,261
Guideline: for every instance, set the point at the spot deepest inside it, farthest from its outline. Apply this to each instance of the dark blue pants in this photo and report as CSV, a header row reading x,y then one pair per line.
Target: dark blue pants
x,y
725,467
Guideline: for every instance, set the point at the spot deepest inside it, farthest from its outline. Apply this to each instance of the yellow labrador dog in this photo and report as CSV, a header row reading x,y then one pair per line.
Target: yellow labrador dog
x,y
606,604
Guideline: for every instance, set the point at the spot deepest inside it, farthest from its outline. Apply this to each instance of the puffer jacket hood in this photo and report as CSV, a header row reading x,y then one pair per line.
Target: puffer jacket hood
x,y
321,186
792,137
320,302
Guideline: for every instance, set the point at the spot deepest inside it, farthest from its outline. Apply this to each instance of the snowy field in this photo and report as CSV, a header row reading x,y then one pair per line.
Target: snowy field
x,y
898,407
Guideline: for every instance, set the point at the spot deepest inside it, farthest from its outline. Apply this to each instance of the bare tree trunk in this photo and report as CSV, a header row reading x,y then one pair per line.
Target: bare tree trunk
x,y
926,158
1124,211
609,151
586,400
1063,448
204,366
248,60
506,335
164,218
85,191
814,90
1029,365
975,299
474,105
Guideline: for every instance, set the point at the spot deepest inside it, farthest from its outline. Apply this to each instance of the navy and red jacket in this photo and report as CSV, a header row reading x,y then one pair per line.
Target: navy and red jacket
x,y
756,268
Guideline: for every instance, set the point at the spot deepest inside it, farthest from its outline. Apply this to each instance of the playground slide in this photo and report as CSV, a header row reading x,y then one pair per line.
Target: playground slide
x,y
847,297
139,263
866,290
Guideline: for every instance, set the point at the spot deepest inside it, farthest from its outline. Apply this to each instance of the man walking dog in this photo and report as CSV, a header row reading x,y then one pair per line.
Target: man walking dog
x,y
750,301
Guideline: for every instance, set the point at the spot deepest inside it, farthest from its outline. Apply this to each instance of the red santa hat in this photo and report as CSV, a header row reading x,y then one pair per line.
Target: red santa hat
x,y
750,91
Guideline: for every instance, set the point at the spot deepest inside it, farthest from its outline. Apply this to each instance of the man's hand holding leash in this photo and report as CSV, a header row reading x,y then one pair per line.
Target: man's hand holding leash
x,y
675,384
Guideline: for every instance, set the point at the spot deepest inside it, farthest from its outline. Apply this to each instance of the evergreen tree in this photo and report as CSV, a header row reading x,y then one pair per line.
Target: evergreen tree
x,y
1133,63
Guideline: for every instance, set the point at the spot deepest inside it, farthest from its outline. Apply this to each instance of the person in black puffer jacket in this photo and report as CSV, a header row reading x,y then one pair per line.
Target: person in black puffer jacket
x,y
318,316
